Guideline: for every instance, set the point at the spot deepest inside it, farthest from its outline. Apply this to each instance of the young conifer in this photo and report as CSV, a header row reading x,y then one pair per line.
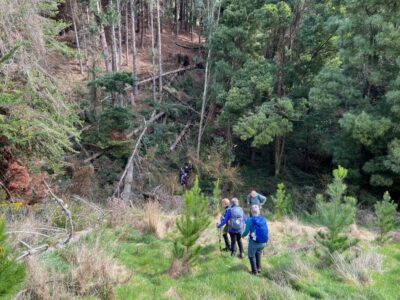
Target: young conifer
x,y
194,220
336,215
11,273
282,201
386,217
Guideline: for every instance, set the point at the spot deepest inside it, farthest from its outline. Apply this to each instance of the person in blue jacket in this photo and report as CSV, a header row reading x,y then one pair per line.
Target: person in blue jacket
x,y
226,203
255,198
235,219
258,228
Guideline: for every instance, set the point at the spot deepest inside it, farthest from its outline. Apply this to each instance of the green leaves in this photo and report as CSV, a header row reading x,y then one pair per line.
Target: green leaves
x,y
282,201
191,224
336,215
11,272
386,216
115,82
274,118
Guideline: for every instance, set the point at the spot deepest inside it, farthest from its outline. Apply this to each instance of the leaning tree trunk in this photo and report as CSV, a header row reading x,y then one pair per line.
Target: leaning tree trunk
x,y
134,52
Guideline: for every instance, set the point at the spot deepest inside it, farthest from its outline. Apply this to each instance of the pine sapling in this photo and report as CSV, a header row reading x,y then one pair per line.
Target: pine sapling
x,y
386,217
336,215
194,220
282,201
11,273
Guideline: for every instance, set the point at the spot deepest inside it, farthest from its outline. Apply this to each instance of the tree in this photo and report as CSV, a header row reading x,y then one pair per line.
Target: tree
x,y
193,221
11,272
282,201
386,216
362,92
336,215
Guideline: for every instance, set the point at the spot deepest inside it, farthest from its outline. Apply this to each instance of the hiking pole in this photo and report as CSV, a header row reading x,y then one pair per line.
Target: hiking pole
x,y
219,240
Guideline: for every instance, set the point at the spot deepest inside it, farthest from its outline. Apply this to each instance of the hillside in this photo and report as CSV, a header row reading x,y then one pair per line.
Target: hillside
x,y
129,129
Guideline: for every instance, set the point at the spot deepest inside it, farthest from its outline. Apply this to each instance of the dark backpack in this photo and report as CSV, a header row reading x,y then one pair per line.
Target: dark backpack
x,y
237,220
259,232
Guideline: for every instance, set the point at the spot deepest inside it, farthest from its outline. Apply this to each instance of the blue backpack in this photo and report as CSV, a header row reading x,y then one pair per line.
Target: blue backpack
x,y
237,219
260,229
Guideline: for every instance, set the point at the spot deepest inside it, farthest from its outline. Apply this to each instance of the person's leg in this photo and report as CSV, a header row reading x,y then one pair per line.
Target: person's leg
x,y
251,254
227,242
233,243
258,257
240,244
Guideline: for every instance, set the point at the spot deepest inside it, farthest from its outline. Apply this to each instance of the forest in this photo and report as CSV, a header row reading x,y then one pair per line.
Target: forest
x,y
130,128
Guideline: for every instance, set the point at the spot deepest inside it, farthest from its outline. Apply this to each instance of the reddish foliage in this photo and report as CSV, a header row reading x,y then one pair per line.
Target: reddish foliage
x,y
19,181
118,136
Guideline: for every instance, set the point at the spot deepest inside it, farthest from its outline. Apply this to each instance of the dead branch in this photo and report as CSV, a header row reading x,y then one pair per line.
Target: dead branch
x,y
66,211
147,80
192,47
5,189
88,203
180,136
131,158
152,119
29,232
32,251
94,156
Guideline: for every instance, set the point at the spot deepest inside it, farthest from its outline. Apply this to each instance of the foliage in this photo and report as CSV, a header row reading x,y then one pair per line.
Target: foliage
x,y
11,273
115,82
386,216
216,195
190,225
282,201
336,215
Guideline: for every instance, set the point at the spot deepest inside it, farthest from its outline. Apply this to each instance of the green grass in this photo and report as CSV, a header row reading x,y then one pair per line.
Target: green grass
x,y
219,276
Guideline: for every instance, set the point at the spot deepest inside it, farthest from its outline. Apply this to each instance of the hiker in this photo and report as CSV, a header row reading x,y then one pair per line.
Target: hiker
x,y
255,198
235,219
258,228
226,205
184,173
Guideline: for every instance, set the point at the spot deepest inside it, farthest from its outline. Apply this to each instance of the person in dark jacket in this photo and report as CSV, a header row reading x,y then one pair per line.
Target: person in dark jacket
x,y
258,228
226,204
235,219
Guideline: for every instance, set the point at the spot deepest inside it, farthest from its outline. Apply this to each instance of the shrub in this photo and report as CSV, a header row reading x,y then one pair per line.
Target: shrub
x,y
11,273
282,201
358,270
336,215
386,216
191,224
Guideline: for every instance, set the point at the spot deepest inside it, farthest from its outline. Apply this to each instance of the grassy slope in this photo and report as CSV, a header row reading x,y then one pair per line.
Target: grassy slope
x,y
222,277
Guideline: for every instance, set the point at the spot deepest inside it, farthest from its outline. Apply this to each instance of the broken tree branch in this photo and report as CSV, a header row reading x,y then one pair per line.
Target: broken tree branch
x,y
66,211
33,251
5,189
116,192
94,156
180,136
193,46
147,80
152,119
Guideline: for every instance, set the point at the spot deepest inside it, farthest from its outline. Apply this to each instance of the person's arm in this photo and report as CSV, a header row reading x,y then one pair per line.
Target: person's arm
x,y
248,228
225,219
262,199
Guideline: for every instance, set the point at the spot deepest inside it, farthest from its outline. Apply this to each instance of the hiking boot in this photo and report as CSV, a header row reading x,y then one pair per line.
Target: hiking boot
x,y
258,261
259,271
233,253
253,265
241,255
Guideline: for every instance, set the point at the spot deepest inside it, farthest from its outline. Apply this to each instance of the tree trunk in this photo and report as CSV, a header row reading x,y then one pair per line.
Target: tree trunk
x,y
177,16
142,26
127,191
113,43
119,33
152,49
76,36
104,45
159,51
279,150
134,52
127,33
